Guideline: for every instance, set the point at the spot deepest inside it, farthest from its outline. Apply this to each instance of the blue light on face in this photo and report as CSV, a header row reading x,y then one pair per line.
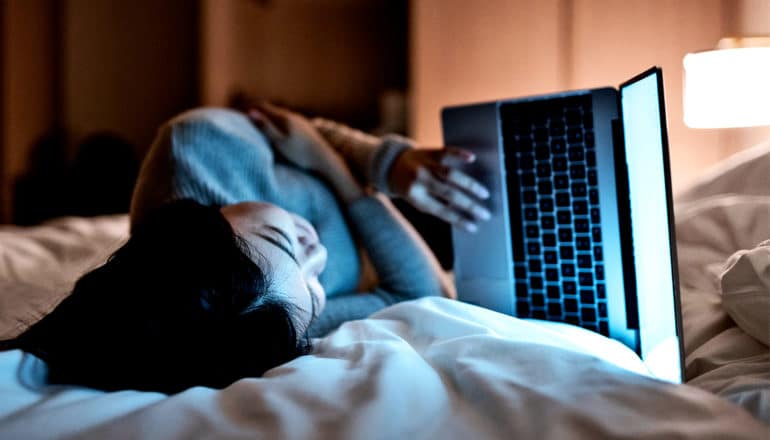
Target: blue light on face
x,y
650,224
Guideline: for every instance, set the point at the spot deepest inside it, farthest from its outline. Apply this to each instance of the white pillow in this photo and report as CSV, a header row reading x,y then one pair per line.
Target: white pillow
x,y
746,291
40,264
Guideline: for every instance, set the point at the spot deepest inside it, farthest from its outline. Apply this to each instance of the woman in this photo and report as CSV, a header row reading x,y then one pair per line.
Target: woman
x,y
240,253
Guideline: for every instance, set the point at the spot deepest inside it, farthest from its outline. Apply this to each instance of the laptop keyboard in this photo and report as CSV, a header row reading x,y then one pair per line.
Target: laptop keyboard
x,y
554,210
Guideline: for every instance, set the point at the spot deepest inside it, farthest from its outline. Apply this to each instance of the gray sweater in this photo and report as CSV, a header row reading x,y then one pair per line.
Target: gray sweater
x,y
217,156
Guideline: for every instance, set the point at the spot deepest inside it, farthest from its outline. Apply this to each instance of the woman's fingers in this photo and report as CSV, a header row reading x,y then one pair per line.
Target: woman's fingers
x,y
453,196
420,197
445,201
446,168
467,183
279,116
266,125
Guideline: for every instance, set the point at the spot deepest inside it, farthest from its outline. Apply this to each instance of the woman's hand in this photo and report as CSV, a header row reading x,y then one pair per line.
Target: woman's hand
x,y
430,181
295,138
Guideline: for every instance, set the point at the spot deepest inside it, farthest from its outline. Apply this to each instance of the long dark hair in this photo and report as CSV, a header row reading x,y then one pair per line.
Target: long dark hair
x,y
180,304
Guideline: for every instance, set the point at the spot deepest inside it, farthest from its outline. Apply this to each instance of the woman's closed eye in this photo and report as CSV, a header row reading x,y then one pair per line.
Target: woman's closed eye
x,y
279,239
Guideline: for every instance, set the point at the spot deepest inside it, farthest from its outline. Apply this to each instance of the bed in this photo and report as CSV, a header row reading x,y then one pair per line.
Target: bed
x,y
437,368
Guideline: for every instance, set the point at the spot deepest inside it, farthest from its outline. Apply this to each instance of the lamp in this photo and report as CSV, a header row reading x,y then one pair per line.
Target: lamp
x,y
729,86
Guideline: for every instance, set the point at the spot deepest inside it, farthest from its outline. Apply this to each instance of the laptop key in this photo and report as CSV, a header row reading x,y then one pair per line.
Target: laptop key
x,y
542,152
601,292
549,240
588,138
590,158
538,299
551,274
550,257
580,207
526,161
593,196
568,270
569,288
554,310
565,234
595,218
599,272
520,272
546,204
539,314
570,305
535,283
561,181
558,146
598,254
577,171
588,314
535,265
522,290
596,234
592,179
576,154
548,222
544,170
533,248
567,252
522,309
544,187
584,261
530,214
586,296
559,163
585,279
604,328
530,197
528,179
553,291
578,189
582,243
581,224
562,199
564,217
602,309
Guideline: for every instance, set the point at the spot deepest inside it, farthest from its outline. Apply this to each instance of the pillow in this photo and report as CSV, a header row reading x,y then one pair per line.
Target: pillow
x,y
40,264
746,291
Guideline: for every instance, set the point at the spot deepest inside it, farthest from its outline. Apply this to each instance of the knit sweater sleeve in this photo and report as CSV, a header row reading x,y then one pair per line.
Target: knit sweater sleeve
x,y
405,266
369,157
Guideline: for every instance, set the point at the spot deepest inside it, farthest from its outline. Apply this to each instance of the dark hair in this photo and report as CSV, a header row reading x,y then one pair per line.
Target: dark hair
x,y
180,304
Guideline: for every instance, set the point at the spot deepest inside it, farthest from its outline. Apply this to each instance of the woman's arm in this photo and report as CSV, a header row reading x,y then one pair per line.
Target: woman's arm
x,y
405,266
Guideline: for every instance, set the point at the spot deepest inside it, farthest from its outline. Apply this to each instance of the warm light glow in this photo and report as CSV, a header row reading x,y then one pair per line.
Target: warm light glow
x,y
727,88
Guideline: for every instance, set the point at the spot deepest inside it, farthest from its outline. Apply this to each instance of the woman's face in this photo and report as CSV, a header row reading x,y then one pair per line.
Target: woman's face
x,y
290,245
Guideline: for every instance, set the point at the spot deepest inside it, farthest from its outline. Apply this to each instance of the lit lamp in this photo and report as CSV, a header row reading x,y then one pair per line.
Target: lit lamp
x,y
729,86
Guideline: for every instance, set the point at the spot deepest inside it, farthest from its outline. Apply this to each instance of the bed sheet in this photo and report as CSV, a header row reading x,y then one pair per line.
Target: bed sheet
x,y
432,368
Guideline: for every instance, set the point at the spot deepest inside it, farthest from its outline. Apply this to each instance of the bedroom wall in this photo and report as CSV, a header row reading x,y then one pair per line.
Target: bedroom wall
x,y
79,67
27,87
333,57
500,48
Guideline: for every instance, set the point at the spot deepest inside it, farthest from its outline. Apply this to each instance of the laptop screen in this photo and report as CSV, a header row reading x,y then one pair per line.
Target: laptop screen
x,y
651,222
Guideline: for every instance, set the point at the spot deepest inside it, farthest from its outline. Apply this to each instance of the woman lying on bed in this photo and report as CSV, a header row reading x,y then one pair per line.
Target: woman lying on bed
x,y
240,253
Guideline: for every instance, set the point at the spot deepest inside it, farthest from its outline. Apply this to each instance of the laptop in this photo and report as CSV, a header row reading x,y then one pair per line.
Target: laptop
x,y
582,227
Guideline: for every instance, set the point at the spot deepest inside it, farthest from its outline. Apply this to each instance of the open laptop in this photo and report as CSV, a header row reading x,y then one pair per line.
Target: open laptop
x,y
582,227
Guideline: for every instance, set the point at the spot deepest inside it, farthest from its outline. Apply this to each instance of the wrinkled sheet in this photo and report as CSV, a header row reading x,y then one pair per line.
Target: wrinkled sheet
x,y
432,368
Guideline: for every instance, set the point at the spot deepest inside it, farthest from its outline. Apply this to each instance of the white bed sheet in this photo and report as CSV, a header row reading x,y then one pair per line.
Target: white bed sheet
x,y
433,368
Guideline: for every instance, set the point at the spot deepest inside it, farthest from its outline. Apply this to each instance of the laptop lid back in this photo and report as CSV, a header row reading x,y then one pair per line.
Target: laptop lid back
x,y
652,224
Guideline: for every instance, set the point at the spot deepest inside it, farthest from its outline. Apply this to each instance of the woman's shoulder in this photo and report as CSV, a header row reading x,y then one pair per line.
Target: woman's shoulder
x,y
221,119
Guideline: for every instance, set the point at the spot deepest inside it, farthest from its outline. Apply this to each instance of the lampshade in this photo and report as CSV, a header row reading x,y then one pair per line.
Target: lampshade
x,y
728,87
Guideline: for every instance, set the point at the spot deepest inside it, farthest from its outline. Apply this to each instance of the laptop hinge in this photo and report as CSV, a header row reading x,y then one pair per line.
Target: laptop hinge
x,y
624,217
